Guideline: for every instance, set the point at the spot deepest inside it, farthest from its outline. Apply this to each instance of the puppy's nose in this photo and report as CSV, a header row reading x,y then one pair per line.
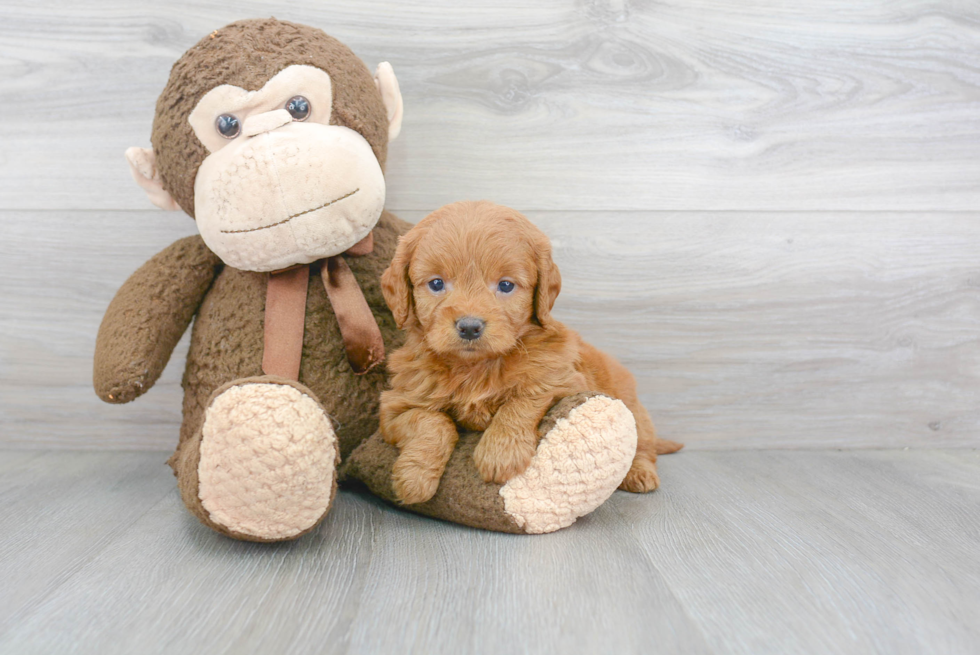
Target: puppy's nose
x,y
470,328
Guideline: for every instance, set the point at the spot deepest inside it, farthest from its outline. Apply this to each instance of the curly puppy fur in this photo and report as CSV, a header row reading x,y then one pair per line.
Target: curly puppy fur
x,y
473,285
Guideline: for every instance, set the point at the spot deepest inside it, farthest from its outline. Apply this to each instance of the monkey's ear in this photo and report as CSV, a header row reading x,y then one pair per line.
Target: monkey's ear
x,y
384,77
143,166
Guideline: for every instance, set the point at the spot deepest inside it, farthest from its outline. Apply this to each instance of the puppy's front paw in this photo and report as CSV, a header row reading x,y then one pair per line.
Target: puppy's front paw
x,y
642,477
412,482
498,459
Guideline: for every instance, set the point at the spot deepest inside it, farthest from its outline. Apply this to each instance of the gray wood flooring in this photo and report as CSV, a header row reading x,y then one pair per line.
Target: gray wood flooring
x,y
740,552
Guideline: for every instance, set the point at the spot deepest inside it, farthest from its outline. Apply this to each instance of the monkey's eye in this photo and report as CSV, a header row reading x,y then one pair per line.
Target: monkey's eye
x,y
505,286
228,125
436,285
299,108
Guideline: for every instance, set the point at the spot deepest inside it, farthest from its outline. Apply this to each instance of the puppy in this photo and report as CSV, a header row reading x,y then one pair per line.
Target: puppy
x,y
473,285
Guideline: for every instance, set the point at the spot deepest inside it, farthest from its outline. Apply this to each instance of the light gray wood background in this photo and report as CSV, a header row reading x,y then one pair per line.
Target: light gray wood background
x,y
769,210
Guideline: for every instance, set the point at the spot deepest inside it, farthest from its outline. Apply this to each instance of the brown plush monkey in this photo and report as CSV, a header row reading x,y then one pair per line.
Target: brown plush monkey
x,y
273,136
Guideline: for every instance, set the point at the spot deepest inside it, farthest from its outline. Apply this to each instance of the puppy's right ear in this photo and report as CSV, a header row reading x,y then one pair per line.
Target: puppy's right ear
x,y
396,286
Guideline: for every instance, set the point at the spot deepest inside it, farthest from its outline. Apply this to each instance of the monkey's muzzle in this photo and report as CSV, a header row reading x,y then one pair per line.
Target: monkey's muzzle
x,y
289,196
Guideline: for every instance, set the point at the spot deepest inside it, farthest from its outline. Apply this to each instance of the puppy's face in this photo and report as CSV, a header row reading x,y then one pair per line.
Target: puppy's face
x,y
473,293
472,280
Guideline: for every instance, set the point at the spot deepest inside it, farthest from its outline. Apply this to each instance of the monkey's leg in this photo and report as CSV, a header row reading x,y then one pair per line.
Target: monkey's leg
x,y
263,465
587,445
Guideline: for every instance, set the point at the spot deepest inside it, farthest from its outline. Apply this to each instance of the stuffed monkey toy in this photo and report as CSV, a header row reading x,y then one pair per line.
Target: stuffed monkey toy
x,y
272,136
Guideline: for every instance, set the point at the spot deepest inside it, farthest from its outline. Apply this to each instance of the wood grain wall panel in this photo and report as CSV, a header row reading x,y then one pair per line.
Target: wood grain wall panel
x,y
552,105
743,330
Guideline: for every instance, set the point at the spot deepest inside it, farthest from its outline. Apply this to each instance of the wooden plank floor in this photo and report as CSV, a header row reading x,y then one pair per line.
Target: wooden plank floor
x,y
740,552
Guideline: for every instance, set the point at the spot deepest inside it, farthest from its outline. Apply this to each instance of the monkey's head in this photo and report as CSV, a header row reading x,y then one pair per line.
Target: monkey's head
x,y
273,137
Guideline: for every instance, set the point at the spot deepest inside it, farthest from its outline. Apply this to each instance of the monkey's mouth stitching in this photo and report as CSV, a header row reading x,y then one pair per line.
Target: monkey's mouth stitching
x,y
266,227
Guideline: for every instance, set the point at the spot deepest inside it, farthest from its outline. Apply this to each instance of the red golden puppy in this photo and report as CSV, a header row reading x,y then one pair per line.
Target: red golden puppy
x,y
473,285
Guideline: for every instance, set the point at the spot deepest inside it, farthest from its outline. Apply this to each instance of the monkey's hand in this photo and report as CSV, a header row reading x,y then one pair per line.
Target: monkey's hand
x,y
147,317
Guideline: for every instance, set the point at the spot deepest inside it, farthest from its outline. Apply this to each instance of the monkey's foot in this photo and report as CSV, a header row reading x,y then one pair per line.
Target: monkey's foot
x,y
588,444
268,458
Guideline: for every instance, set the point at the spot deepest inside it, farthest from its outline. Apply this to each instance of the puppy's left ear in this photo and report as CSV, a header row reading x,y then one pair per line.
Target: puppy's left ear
x,y
549,283
396,286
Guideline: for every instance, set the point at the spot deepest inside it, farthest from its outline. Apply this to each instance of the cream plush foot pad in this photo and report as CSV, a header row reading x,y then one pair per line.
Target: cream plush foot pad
x,y
577,467
268,460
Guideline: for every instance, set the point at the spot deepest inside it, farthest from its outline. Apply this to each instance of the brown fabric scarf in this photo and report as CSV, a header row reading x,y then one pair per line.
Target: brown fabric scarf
x,y
285,315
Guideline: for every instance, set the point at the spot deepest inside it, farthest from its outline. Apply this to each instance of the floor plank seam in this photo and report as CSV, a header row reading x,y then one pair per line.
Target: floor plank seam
x,y
627,529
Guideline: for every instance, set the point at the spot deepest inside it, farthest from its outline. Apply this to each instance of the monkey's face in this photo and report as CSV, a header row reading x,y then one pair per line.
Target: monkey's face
x,y
281,185
273,136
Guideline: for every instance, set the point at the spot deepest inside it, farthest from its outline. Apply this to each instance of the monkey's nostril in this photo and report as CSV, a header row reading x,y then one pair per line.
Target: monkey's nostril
x,y
470,328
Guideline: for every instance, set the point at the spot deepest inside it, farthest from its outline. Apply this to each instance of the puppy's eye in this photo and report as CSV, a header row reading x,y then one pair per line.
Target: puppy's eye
x,y
436,285
505,286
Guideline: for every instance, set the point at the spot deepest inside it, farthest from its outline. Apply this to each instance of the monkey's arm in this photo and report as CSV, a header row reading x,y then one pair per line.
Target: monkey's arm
x,y
147,317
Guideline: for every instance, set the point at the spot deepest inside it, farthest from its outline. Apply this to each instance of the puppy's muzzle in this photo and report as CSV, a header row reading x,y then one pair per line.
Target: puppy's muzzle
x,y
470,328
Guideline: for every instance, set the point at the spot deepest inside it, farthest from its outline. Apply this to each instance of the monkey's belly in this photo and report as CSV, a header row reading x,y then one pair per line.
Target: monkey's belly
x,y
227,344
